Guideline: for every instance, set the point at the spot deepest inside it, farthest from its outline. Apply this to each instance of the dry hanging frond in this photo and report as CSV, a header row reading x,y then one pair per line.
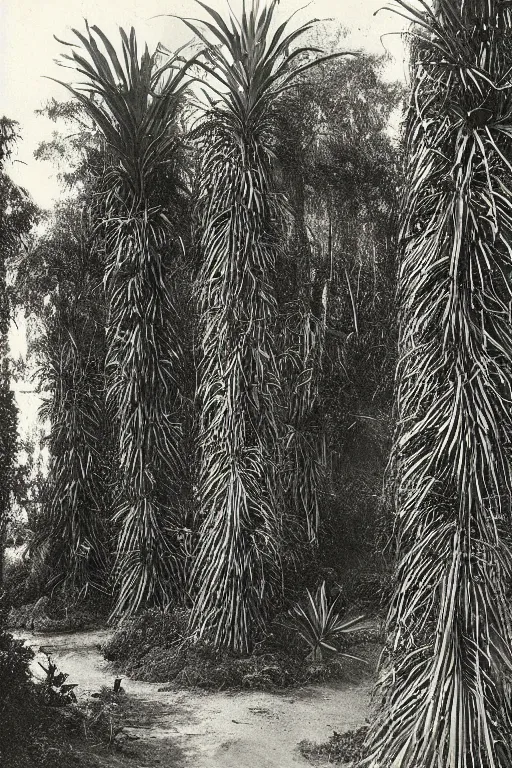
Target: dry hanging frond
x,y
445,698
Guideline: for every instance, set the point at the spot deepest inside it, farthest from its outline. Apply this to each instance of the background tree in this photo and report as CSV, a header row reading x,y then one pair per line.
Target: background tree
x,y
17,216
445,682
336,287
70,348
59,284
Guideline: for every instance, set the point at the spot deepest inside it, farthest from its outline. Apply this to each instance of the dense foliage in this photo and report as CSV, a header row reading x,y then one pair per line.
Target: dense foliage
x,y
445,683
336,289
72,352
58,285
15,692
275,216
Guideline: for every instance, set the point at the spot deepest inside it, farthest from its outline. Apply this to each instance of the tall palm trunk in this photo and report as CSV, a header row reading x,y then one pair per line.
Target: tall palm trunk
x,y
239,541
74,528
239,233
137,112
444,685
142,362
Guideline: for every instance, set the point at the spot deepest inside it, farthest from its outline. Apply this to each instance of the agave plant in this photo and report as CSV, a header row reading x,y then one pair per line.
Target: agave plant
x,y
319,625
239,232
136,105
444,688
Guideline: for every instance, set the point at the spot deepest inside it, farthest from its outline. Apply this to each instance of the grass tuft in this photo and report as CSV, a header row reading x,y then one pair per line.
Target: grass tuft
x,y
342,748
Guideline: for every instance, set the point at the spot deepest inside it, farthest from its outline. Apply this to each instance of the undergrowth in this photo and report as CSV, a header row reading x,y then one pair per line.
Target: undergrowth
x,y
42,725
155,647
29,606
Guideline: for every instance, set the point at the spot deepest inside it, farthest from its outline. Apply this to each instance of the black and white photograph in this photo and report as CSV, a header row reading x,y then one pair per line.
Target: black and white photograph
x,y
256,384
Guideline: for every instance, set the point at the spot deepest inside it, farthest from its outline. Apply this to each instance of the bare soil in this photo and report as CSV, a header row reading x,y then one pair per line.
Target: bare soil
x,y
189,729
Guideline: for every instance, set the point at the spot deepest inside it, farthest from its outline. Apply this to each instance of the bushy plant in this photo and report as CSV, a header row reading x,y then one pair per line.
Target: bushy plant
x,y
41,725
342,748
15,658
137,636
318,623
19,585
155,647
15,690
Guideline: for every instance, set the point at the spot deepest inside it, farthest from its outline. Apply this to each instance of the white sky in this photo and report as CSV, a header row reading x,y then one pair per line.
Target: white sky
x,y
28,50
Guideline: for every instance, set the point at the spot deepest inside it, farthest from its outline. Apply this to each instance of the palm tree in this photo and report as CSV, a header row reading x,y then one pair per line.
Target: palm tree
x,y
58,283
136,106
239,233
445,696
73,530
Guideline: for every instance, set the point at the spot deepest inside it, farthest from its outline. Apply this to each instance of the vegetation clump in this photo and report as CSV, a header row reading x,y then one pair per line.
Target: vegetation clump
x,y
19,586
63,610
42,724
342,748
155,647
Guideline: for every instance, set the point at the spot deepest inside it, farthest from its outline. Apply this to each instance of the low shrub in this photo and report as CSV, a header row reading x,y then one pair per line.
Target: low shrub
x,y
342,748
103,715
139,635
16,691
31,733
155,647
42,726
19,585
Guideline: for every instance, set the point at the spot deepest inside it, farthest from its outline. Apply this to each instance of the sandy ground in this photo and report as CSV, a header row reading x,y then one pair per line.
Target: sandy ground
x,y
186,729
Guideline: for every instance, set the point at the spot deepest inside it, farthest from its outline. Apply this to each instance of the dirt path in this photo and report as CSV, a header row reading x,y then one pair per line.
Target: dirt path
x,y
186,729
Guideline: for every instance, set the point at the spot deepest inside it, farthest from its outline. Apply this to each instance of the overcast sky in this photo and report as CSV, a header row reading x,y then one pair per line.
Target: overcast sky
x,y
28,50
